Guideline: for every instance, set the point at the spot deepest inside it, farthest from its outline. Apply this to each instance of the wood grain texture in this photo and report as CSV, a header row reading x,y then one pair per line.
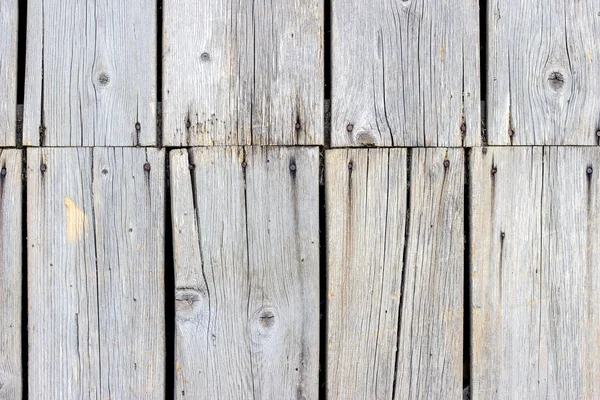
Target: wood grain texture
x,y
11,377
535,306
95,273
543,72
243,72
90,76
506,203
246,248
9,16
405,73
395,301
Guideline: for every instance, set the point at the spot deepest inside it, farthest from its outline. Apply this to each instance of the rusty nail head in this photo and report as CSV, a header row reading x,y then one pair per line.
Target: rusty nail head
x,y
43,167
598,133
350,127
147,167
292,167
298,126
484,150
446,163
244,164
494,170
350,166
589,170
137,126
3,172
192,166
511,132
463,128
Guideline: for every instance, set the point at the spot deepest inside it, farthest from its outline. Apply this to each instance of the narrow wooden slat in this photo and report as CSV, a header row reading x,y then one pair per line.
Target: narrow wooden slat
x,y
246,247
90,75
405,73
9,15
381,281
11,377
243,72
542,78
95,273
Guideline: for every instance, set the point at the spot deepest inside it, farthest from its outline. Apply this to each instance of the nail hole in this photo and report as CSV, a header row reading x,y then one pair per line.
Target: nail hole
x,y
205,57
3,172
147,167
446,163
350,127
43,167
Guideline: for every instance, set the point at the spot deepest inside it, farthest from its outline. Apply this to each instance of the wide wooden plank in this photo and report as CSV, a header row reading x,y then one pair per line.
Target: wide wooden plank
x,y
90,76
405,73
243,72
246,248
11,377
9,15
542,78
395,292
506,199
95,272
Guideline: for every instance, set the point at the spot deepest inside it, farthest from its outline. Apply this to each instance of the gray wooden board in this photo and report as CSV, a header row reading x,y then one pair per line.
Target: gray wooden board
x,y
243,72
370,261
9,15
405,73
11,378
90,76
95,239
246,248
536,304
543,73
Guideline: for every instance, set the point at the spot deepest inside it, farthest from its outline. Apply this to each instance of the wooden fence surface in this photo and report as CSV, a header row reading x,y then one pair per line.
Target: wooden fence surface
x,y
299,200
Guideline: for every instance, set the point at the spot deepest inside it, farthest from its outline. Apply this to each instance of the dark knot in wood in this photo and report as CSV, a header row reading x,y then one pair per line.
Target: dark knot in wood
x,y
556,80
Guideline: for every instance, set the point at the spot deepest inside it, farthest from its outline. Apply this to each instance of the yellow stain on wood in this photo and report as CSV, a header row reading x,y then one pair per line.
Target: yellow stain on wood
x,y
77,222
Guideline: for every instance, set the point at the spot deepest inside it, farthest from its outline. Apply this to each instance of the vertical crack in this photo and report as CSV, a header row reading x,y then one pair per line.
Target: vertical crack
x,y
468,239
404,261
24,286
169,279
42,129
483,66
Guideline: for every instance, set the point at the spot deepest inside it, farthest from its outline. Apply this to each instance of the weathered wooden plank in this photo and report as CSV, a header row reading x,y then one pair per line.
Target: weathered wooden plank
x,y
11,378
405,73
543,80
246,247
381,281
535,289
95,272
9,15
243,72
90,75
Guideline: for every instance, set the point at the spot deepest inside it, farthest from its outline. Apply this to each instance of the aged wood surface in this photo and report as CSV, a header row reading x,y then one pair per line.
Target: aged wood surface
x,y
90,76
11,378
95,273
536,317
543,72
405,73
246,248
243,72
9,16
395,301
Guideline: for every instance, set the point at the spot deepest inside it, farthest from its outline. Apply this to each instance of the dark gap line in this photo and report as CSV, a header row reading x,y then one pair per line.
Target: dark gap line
x,y
24,287
327,6
404,261
483,66
323,306
169,291
21,52
467,363
159,71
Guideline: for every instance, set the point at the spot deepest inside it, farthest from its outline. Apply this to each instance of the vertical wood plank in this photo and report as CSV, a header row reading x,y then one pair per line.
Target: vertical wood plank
x,y
381,280
509,353
243,72
129,208
90,75
245,241
430,348
542,78
95,273
405,73
9,16
570,297
11,377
